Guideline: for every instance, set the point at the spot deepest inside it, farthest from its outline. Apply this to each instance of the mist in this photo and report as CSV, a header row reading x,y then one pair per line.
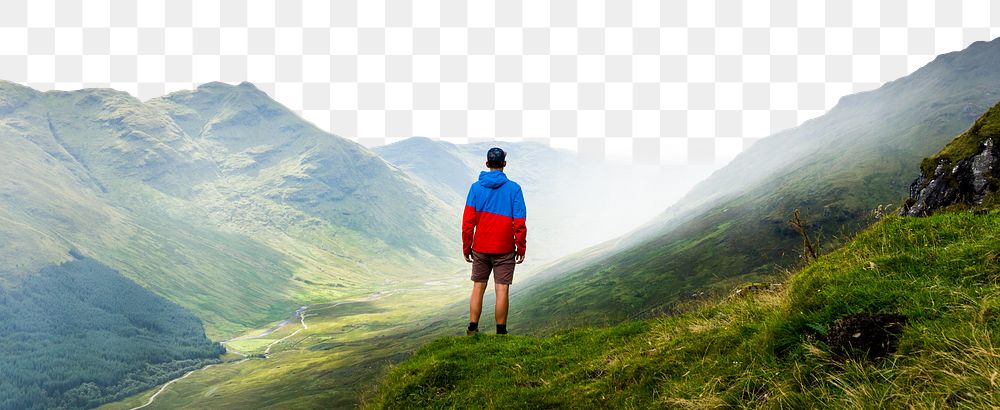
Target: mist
x,y
592,202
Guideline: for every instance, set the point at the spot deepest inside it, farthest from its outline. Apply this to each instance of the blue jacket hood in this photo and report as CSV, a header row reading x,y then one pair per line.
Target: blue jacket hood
x,y
492,179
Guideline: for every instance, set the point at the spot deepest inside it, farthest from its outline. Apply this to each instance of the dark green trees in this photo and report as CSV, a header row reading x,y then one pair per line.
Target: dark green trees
x,y
79,334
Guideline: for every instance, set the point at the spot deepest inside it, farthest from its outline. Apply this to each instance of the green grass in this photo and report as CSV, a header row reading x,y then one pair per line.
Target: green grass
x,y
968,143
763,350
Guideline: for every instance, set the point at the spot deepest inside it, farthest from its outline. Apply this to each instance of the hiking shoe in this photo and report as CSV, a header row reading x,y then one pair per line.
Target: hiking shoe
x,y
471,332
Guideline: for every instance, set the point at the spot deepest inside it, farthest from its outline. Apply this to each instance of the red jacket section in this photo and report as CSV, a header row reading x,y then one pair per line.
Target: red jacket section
x,y
494,217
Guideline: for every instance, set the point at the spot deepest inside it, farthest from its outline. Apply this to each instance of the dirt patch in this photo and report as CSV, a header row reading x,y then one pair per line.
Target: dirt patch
x,y
865,336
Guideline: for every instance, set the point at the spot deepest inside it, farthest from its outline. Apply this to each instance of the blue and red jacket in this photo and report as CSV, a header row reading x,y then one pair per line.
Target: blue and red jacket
x,y
494,216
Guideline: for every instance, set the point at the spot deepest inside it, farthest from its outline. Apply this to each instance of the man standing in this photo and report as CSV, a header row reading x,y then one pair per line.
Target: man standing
x,y
493,236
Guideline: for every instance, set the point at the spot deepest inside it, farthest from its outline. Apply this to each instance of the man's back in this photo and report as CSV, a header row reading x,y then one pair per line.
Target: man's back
x,y
494,219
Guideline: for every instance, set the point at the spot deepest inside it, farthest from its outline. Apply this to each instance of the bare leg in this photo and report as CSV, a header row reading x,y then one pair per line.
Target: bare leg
x,y
476,303
502,303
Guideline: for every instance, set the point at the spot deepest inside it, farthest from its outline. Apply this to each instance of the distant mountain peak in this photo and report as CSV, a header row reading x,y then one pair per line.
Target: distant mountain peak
x,y
218,91
215,105
247,84
14,95
6,86
418,139
979,59
221,86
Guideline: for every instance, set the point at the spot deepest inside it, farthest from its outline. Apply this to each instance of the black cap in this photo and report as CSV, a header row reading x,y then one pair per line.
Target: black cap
x,y
495,157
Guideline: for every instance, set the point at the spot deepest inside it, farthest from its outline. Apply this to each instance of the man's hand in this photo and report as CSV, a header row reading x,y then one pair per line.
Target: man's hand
x,y
468,257
519,258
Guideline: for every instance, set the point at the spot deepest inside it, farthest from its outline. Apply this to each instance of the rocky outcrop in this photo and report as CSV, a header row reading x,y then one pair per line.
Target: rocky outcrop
x,y
963,174
967,182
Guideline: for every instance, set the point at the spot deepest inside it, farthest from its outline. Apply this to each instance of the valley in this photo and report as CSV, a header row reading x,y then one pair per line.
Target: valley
x,y
327,355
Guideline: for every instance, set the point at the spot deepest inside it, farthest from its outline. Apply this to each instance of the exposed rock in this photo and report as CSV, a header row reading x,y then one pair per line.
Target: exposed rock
x,y
755,288
968,182
964,174
865,336
983,166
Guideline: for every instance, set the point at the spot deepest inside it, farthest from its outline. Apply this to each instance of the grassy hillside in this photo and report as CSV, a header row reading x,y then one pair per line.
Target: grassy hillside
x,y
79,334
733,226
781,346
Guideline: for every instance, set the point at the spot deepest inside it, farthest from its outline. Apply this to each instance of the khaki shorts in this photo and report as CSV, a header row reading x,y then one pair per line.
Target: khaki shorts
x,y
502,266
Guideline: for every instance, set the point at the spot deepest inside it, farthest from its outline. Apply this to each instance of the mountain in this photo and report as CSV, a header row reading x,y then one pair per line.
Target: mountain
x,y
560,188
212,212
275,156
218,199
444,167
904,315
733,226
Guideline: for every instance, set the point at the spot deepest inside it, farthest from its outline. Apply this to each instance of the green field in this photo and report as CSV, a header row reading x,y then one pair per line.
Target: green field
x,y
767,349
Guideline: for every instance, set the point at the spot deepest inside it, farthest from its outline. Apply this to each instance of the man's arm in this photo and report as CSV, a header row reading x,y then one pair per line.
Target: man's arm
x,y
469,219
520,229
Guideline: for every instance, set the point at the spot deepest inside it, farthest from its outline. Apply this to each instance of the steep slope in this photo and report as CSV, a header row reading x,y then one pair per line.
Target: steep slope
x,y
732,226
903,316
